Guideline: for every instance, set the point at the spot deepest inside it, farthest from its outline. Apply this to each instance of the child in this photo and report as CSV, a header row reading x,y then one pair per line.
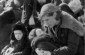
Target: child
x,y
19,41
35,32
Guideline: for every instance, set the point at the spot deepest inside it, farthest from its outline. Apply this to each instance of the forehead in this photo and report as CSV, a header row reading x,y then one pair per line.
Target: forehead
x,y
49,16
17,31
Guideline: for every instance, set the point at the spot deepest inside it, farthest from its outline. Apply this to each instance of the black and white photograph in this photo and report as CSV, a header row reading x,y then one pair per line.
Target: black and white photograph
x,y
42,27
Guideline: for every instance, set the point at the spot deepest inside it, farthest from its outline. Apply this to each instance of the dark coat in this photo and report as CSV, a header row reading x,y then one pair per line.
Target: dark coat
x,y
22,45
65,36
31,7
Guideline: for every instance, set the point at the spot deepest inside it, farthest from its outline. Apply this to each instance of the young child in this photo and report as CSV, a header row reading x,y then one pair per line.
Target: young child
x,y
19,41
35,33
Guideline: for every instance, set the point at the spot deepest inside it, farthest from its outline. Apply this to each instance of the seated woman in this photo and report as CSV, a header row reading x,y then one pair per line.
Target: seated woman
x,y
19,42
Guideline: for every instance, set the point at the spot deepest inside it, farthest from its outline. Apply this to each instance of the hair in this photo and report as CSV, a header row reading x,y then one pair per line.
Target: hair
x,y
20,27
46,46
41,38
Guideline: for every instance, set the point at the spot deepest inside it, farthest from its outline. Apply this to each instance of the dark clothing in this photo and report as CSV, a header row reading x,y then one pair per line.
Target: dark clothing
x,y
67,42
67,38
32,7
22,45
7,17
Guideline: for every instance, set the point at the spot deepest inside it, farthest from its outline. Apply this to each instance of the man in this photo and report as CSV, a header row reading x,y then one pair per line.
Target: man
x,y
64,28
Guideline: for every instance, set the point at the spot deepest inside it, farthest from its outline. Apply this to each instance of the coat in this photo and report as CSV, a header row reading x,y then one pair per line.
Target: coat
x,y
22,45
66,34
69,37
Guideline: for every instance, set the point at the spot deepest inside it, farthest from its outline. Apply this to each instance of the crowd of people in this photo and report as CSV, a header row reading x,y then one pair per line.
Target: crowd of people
x,y
46,27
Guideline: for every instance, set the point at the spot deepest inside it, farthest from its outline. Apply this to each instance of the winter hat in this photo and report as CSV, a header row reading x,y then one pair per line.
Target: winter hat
x,y
41,38
19,27
47,46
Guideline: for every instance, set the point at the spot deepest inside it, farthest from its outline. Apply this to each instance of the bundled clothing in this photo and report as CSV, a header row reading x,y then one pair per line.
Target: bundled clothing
x,y
22,45
68,34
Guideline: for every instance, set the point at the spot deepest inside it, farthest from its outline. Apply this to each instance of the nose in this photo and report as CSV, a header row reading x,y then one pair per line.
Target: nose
x,y
46,28
17,36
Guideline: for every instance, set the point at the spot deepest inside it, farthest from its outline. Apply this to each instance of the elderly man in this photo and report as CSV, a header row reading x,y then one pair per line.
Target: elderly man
x,y
64,28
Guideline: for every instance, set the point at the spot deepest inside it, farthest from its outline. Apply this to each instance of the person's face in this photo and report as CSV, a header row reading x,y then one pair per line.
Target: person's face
x,y
50,21
42,52
18,34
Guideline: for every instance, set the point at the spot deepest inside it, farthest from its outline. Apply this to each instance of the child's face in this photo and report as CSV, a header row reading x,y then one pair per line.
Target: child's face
x,y
18,34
